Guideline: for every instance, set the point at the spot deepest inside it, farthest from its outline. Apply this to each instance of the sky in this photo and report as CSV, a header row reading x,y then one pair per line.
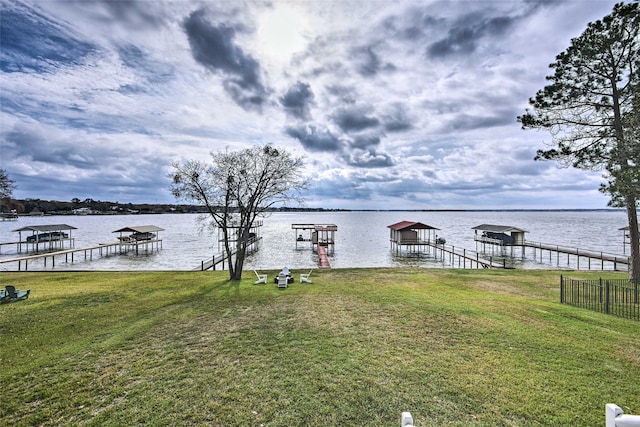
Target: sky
x,y
391,104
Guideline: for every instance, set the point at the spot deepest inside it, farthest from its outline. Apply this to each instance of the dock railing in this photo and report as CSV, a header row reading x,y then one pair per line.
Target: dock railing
x,y
618,297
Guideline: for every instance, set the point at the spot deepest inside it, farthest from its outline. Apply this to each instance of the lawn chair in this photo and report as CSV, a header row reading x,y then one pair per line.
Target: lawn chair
x,y
283,280
262,278
12,294
304,277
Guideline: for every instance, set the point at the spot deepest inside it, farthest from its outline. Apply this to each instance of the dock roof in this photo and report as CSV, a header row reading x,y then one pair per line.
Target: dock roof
x,y
47,227
139,229
627,228
410,225
498,228
316,227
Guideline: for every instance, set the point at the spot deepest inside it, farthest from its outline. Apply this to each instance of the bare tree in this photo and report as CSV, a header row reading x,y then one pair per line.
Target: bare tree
x,y
590,109
236,188
7,185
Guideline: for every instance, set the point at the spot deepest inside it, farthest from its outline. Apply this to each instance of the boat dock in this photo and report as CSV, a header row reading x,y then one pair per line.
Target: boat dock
x,y
507,237
322,238
102,249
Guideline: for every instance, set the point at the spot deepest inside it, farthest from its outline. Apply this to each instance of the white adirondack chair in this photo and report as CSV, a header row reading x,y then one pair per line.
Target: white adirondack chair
x,y
304,277
283,280
262,278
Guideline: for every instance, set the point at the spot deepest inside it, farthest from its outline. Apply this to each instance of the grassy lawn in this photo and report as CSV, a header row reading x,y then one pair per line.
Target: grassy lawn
x,y
356,347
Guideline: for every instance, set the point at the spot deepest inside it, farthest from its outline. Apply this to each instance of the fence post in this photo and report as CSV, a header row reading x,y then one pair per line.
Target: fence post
x,y
601,290
561,289
606,296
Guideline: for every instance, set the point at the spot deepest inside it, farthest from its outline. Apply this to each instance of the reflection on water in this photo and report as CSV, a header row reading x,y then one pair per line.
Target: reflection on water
x,y
362,239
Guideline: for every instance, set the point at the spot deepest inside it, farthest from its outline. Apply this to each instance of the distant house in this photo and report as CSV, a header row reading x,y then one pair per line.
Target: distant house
x,y
82,211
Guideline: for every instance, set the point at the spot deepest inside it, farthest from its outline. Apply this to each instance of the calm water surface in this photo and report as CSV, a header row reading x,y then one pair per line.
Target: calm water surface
x,y
362,239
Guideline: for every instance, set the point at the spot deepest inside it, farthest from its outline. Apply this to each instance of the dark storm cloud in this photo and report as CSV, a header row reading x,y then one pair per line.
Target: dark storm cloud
x,y
213,47
297,100
464,35
354,119
314,139
33,42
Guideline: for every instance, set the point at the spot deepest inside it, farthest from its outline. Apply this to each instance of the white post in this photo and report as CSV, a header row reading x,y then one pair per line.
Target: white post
x,y
407,420
615,417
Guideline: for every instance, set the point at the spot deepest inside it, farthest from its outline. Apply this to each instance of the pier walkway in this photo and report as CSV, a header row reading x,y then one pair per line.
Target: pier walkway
x,y
101,249
599,257
464,257
222,257
323,259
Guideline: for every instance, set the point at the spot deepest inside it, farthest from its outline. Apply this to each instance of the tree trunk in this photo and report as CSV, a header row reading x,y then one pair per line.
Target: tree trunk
x,y
634,235
235,267
238,263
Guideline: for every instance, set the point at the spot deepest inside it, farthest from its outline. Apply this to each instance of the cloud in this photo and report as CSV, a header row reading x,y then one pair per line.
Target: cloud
x,y
406,101
369,62
314,139
353,119
32,42
213,47
297,100
467,32
370,159
396,118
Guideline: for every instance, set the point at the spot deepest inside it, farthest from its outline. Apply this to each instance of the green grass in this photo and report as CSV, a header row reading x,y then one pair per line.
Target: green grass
x,y
356,347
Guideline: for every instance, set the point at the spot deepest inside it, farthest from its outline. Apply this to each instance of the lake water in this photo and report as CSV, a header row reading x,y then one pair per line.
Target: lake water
x,y
362,239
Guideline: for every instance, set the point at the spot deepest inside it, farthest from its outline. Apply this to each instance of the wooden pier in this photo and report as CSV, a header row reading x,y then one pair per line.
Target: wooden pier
x,y
102,249
252,246
465,258
323,260
598,257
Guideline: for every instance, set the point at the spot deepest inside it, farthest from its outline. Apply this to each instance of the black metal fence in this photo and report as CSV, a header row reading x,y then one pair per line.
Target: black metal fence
x,y
612,296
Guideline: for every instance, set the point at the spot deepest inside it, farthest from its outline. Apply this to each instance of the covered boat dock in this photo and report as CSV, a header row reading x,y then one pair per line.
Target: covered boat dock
x,y
319,235
501,235
322,238
47,237
140,235
413,236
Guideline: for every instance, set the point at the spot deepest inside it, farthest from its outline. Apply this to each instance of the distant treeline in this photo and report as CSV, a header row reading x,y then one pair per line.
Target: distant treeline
x,y
99,207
